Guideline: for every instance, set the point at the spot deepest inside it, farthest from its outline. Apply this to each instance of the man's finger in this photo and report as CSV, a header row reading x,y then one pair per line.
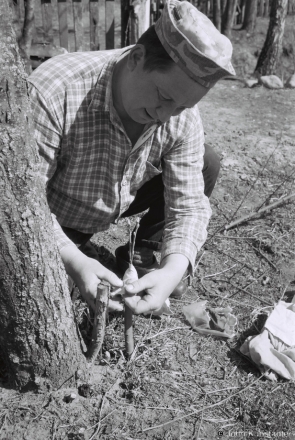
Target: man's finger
x,y
115,306
138,305
112,278
139,285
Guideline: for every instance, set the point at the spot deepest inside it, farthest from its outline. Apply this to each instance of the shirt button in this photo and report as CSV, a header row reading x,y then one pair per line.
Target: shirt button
x,y
124,182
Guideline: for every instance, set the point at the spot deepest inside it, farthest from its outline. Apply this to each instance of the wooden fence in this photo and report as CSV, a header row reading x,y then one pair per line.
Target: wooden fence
x,y
77,25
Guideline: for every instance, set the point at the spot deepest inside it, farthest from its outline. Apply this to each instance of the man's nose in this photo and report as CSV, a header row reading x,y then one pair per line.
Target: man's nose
x,y
165,111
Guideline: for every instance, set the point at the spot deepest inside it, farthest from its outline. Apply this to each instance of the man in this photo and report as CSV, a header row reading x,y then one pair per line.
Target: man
x,y
119,132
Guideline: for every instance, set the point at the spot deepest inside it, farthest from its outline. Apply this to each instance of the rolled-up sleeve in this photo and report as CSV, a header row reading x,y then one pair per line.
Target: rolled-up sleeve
x,y
48,134
187,209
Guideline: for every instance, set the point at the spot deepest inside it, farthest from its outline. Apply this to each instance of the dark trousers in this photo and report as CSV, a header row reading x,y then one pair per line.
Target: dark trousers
x,y
151,196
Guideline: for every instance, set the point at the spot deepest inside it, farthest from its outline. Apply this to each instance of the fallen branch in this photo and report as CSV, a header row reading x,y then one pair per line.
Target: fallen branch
x,y
247,217
101,308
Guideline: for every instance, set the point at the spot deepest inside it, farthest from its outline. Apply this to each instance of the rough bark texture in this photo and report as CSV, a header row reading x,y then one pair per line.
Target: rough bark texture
x,y
99,325
271,51
228,17
250,15
38,339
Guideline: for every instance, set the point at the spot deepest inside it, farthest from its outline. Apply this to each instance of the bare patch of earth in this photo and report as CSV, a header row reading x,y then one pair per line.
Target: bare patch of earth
x,y
181,384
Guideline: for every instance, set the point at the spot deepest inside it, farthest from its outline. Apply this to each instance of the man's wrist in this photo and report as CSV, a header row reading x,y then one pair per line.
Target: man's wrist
x,y
176,264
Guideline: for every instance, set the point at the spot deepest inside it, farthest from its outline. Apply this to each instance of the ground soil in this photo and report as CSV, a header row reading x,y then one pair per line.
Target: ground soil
x,y
179,384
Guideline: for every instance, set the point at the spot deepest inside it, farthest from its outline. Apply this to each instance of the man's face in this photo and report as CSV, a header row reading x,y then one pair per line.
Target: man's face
x,y
156,96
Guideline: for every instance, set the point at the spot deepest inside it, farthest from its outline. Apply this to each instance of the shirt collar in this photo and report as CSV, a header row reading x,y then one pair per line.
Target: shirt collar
x,y
102,99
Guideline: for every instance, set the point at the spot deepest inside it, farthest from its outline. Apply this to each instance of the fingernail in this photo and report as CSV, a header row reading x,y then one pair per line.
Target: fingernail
x,y
129,286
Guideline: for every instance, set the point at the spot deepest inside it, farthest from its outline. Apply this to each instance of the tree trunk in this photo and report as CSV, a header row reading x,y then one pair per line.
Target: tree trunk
x,y
271,51
25,40
217,14
39,343
228,17
250,16
261,8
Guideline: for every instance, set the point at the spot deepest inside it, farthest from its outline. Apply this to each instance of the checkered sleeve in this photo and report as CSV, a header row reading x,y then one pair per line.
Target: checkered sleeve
x,y
187,209
48,131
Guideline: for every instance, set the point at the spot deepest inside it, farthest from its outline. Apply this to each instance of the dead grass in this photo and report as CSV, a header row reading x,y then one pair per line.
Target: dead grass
x,y
180,385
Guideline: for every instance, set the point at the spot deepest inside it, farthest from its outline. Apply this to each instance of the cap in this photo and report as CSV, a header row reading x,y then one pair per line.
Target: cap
x,y
194,43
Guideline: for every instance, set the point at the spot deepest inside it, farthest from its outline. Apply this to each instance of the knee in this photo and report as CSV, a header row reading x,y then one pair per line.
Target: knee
x,y
211,162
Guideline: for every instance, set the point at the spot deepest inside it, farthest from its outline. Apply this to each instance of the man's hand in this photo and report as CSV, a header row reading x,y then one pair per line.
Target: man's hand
x,y
87,273
151,291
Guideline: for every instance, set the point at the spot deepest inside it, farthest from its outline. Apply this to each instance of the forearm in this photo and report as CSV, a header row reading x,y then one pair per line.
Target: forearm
x,y
73,260
175,266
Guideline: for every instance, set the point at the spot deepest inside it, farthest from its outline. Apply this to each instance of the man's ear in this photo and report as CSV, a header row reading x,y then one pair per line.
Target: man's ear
x,y
136,56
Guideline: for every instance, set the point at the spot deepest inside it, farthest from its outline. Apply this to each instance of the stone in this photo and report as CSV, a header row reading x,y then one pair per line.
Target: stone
x,y
251,82
290,84
271,82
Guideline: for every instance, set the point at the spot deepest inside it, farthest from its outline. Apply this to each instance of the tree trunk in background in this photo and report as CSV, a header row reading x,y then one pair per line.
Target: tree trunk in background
x,y
223,5
38,340
261,8
228,17
271,51
250,15
217,14
266,8
25,40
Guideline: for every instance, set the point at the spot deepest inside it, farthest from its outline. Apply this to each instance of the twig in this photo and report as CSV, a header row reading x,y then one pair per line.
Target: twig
x,y
264,256
201,421
258,213
218,273
222,228
101,308
166,331
99,419
221,402
246,291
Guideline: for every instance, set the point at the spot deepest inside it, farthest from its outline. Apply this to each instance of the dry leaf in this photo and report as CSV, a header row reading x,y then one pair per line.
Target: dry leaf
x,y
215,322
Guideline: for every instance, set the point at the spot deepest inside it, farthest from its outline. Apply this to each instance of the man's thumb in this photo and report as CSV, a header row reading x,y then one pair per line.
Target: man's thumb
x,y
136,286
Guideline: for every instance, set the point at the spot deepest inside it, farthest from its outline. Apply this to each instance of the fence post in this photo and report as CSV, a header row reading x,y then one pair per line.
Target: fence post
x,y
110,24
63,23
138,19
78,24
93,23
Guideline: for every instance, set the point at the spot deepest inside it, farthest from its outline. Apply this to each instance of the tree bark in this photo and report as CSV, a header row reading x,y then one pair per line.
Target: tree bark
x,y
217,14
228,17
250,16
39,343
271,51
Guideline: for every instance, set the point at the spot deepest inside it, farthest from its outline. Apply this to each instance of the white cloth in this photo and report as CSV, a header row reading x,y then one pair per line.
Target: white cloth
x,y
274,347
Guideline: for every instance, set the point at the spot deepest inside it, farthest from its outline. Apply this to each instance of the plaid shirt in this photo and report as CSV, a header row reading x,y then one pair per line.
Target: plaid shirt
x,y
92,172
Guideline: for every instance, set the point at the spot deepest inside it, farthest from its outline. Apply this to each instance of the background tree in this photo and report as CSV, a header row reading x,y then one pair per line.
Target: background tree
x,y
24,31
228,17
39,343
271,51
217,14
250,15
